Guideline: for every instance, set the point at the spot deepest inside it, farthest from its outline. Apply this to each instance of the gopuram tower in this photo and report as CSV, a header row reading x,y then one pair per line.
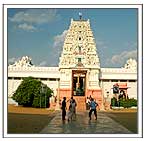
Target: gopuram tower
x,y
79,64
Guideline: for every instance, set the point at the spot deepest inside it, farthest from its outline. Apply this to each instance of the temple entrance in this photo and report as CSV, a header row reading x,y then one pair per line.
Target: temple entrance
x,y
78,83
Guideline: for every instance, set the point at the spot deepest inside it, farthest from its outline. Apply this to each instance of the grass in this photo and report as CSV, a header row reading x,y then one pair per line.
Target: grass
x,y
23,120
127,119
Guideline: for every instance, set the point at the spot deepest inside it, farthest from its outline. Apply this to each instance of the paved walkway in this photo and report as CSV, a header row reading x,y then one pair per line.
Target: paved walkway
x,y
82,125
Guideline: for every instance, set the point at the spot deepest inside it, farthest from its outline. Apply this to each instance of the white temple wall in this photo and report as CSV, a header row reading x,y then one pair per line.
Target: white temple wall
x,y
48,75
93,79
36,72
12,86
132,90
118,73
65,79
107,87
110,76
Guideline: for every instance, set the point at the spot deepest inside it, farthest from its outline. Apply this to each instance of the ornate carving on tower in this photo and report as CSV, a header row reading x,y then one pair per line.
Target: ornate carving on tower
x,y
79,49
131,64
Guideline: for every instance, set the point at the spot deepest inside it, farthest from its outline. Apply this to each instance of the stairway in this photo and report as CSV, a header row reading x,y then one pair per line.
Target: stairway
x,y
81,103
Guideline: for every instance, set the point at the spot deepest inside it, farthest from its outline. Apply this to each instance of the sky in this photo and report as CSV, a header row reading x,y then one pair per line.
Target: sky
x,y
40,34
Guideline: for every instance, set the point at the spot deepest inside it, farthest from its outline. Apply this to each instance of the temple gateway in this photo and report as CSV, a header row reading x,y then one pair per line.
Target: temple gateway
x,y
79,73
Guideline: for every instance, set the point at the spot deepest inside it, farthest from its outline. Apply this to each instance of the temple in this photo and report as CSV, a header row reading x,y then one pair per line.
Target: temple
x,y
79,73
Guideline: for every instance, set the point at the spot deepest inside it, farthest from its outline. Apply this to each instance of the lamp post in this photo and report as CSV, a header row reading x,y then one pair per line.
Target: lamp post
x,y
40,98
58,97
40,94
45,96
42,91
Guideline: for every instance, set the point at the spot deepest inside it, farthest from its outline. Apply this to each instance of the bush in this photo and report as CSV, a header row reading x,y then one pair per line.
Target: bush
x,y
126,103
113,102
133,102
121,102
41,101
29,93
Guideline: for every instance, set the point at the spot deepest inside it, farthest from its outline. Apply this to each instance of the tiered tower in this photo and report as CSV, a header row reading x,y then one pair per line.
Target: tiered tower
x,y
79,48
79,63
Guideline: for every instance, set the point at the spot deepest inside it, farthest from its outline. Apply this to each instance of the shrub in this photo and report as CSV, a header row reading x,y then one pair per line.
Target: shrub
x,y
126,103
29,93
121,102
113,102
133,102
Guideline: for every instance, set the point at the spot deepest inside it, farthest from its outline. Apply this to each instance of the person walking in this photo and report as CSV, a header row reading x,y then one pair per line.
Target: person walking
x,y
93,106
63,108
73,108
70,100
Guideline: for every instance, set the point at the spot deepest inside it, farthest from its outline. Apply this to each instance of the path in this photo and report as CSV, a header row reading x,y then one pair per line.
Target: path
x,y
82,125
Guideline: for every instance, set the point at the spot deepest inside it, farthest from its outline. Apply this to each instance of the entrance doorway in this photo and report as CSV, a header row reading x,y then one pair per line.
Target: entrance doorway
x,y
78,82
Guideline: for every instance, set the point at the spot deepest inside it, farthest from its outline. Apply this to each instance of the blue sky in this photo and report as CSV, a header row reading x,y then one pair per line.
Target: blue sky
x,y
40,33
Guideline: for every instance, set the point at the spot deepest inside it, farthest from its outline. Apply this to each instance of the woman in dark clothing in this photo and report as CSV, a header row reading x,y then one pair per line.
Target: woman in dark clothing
x,y
63,108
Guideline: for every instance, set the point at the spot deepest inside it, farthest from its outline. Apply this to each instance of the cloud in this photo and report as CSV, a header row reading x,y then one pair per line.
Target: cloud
x,y
35,16
57,48
59,40
122,57
27,27
131,44
43,64
101,44
11,60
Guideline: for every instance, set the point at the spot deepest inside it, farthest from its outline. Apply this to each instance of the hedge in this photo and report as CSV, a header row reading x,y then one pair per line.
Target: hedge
x,y
126,103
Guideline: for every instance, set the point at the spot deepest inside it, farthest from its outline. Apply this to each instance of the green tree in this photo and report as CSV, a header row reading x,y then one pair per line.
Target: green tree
x,y
32,93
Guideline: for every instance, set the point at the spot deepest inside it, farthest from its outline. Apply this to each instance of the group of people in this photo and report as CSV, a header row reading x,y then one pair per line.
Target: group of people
x,y
90,105
71,110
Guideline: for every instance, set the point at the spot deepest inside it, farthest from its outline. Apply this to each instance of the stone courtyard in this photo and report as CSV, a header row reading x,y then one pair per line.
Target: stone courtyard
x,y
82,125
